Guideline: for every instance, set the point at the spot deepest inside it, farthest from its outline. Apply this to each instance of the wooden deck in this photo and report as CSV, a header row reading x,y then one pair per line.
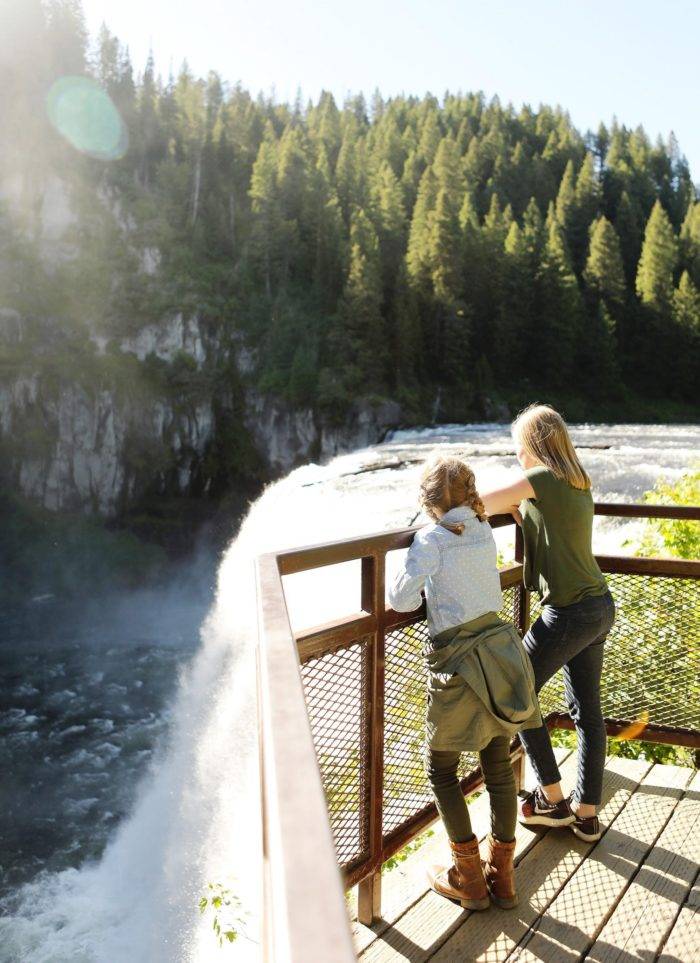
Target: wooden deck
x,y
633,897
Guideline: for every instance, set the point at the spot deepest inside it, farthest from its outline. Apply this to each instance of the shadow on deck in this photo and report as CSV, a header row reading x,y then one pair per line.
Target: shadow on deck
x,y
630,897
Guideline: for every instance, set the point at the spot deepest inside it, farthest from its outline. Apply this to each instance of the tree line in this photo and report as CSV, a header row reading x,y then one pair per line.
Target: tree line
x,y
394,248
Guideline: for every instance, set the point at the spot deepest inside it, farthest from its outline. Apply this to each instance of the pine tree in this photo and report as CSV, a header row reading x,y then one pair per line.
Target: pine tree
x,y
359,338
566,200
67,36
447,173
604,274
390,217
686,357
628,226
658,261
686,305
514,314
559,308
265,204
586,208
418,252
690,241
444,250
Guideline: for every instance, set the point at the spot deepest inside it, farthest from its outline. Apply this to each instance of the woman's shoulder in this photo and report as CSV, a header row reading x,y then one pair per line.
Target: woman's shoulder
x,y
545,483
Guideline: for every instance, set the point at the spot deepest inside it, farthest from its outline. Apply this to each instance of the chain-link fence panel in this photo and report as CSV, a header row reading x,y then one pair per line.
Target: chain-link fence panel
x,y
336,697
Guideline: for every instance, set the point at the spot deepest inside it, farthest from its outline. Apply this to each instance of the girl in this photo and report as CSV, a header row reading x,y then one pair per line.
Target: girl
x,y
555,499
481,685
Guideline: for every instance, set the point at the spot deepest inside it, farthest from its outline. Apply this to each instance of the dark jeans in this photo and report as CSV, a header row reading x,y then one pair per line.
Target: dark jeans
x,y
572,637
441,770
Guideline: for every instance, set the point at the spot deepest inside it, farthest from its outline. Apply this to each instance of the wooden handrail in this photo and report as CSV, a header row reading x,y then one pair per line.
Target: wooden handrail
x,y
305,913
310,557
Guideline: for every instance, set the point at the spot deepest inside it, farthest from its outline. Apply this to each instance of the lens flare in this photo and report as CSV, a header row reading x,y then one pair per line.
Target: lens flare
x,y
84,113
634,729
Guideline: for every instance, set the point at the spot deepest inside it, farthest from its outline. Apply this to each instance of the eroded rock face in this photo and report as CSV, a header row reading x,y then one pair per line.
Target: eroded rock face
x,y
167,340
97,451
94,443
287,437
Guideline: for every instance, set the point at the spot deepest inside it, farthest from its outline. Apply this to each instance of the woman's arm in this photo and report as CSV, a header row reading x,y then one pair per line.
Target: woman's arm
x,y
422,560
499,501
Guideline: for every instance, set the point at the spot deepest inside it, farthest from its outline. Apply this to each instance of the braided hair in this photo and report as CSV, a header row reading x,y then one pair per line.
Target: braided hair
x,y
448,482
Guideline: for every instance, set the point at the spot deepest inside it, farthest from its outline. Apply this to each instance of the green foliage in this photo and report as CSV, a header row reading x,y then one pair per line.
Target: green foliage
x,y
410,236
225,910
658,261
679,539
604,272
398,858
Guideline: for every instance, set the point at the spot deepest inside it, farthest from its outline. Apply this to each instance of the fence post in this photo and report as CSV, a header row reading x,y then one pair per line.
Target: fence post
x,y
523,604
369,890
523,624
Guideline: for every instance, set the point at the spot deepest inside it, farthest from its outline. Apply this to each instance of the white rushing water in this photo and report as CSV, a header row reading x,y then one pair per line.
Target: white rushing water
x,y
196,819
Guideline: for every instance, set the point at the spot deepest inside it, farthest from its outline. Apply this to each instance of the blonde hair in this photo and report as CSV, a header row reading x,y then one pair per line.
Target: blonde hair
x,y
543,434
446,483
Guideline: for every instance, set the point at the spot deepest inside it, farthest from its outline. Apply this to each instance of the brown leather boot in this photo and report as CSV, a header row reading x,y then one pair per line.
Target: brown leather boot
x,y
464,880
499,873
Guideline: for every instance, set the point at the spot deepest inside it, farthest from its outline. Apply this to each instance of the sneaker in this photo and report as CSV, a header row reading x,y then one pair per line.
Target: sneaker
x,y
586,828
537,810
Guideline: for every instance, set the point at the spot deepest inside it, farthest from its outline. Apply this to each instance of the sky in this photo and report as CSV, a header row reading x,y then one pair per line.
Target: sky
x,y
634,59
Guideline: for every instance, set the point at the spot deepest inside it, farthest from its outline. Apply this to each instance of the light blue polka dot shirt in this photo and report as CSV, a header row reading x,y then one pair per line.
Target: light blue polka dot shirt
x,y
457,572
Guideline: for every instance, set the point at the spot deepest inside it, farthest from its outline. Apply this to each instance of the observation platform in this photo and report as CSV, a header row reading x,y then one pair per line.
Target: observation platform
x,y
341,709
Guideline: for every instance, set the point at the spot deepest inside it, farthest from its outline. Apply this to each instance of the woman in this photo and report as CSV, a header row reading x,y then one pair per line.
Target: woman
x,y
554,496
481,685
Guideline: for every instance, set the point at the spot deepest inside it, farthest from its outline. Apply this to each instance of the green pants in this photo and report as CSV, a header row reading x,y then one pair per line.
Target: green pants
x,y
441,770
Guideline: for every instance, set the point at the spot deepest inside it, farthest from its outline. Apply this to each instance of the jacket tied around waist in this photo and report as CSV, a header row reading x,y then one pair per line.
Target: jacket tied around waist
x,y
480,685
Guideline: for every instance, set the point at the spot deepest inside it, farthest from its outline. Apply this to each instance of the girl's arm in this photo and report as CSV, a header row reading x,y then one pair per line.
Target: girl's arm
x,y
500,501
422,560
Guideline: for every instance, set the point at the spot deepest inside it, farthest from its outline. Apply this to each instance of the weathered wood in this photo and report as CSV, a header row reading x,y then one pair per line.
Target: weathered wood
x,y
296,875
372,755
369,899
432,919
687,513
309,557
683,943
665,735
319,639
645,914
579,912
406,883
540,876
663,567
332,553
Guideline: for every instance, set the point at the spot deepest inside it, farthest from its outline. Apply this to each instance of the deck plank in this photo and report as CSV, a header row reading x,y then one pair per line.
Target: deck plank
x,y
540,876
428,923
645,914
683,943
404,885
579,912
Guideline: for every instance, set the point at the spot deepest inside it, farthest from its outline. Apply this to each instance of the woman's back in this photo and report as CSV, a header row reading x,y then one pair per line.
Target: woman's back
x,y
557,530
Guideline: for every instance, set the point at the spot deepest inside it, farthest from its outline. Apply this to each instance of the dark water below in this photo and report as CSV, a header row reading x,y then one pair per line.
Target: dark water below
x,y
84,694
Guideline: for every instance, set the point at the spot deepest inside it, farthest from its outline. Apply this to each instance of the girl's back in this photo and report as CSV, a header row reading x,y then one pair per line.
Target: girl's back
x,y
457,569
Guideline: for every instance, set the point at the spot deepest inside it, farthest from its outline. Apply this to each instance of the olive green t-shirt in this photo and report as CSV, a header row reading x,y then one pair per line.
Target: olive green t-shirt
x,y
557,531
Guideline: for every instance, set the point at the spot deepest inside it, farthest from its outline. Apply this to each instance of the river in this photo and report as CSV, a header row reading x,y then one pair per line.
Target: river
x,y
127,737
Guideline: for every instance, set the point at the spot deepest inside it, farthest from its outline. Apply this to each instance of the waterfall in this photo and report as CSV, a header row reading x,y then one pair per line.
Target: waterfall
x,y
196,818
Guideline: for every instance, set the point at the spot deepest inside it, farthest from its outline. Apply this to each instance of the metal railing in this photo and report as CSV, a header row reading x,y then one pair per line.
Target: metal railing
x,y
342,707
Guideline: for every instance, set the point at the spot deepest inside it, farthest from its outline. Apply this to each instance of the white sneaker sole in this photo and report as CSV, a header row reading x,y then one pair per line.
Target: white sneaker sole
x,y
586,837
546,821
